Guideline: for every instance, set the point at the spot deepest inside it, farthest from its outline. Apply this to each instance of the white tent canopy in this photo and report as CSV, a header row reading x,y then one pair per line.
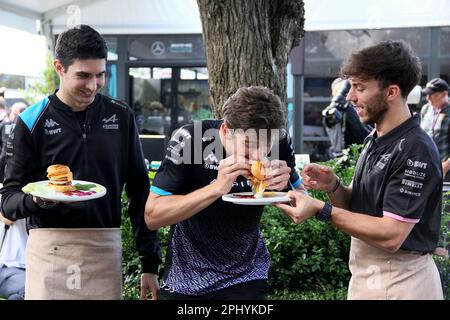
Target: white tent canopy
x,y
181,16
49,17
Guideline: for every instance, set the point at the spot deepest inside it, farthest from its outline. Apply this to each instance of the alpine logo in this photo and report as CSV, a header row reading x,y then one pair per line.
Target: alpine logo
x,y
50,123
383,161
110,123
112,119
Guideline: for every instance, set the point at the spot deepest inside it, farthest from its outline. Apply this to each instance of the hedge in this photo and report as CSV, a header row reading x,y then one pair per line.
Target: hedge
x,y
309,261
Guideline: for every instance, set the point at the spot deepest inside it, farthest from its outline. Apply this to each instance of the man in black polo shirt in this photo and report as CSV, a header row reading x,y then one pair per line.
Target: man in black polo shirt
x,y
216,250
392,208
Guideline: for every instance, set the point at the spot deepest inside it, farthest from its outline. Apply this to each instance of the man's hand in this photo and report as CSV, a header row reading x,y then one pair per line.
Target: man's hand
x,y
229,169
278,174
44,203
318,177
149,283
301,208
4,220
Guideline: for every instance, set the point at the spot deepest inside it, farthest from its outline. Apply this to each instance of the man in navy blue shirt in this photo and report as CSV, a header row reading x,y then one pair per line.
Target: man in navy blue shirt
x,y
216,250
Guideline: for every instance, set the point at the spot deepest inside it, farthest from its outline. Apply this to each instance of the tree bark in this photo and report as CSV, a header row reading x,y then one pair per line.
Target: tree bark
x,y
248,43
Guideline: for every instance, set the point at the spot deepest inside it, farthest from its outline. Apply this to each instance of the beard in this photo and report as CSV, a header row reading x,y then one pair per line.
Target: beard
x,y
375,109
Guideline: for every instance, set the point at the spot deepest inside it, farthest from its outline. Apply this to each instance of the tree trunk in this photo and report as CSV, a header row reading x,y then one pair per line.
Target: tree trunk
x,y
248,43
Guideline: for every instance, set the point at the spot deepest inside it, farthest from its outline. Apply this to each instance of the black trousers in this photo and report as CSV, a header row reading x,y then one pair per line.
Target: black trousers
x,y
251,290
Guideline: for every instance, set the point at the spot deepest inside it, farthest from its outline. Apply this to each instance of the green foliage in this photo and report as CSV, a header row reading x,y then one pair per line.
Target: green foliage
x,y
131,264
130,258
49,84
309,261
443,263
308,257
333,294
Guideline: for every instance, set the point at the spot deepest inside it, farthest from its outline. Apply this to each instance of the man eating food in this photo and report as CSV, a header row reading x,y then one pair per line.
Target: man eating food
x,y
217,250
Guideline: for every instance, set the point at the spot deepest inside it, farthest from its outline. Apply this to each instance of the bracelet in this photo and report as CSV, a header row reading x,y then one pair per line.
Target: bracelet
x,y
336,186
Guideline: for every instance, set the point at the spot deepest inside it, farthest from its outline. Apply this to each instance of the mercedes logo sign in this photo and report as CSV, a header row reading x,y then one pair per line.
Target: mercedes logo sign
x,y
158,48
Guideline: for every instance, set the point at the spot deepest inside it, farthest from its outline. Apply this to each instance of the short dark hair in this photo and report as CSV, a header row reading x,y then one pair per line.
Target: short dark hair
x,y
80,42
389,62
254,107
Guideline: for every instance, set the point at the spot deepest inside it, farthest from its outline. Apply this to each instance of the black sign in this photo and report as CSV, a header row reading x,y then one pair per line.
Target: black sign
x,y
166,47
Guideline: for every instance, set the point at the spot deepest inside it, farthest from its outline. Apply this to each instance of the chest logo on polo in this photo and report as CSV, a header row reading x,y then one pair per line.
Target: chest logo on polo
x,y
110,123
50,127
416,164
211,162
383,161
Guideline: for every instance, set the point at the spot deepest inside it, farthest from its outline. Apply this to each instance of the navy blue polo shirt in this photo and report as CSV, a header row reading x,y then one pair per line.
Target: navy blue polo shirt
x,y
400,175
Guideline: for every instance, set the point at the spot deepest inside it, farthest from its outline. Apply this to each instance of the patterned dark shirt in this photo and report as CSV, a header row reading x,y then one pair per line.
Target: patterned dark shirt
x,y
221,245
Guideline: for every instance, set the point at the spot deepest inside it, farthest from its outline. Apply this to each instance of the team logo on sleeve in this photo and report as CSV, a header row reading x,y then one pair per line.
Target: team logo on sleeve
x,y
211,162
179,147
416,164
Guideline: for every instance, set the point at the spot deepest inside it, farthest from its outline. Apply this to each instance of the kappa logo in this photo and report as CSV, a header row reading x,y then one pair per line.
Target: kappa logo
x,y
110,123
211,162
50,123
211,158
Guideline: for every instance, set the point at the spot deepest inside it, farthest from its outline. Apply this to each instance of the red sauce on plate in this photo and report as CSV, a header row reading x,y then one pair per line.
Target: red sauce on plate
x,y
242,196
79,193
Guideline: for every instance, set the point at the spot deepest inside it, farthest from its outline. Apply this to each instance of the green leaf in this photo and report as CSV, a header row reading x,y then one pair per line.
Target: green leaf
x,y
85,187
38,187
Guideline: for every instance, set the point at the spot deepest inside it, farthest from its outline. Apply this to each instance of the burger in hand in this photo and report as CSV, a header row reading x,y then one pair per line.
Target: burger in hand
x,y
60,178
258,180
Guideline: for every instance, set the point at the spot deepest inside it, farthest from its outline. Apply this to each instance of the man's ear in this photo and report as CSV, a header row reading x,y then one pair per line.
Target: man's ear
x,y
223,129
58,67
393,92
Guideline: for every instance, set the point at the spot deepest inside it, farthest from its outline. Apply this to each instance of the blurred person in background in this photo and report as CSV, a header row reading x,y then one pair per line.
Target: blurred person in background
x,y
435,119
6,126
341,121
13,241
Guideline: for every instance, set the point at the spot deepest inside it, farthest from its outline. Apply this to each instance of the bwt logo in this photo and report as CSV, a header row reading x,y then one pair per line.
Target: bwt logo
x,y
416,164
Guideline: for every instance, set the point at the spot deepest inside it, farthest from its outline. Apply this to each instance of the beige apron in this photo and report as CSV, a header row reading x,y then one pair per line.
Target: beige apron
x,y
404,275
74,264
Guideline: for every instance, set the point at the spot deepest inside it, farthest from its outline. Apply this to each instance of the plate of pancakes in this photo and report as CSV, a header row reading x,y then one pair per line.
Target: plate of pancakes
x,y
60,187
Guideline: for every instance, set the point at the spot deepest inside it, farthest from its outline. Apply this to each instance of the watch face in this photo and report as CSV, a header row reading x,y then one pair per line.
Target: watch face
x,y
325,213
43,204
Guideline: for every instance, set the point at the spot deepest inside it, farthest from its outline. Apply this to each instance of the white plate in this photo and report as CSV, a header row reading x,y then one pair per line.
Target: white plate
x,y
270,197
100,191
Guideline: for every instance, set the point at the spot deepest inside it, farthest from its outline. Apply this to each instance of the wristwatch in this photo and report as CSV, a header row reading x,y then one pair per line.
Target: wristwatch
x,y
44,204
324,214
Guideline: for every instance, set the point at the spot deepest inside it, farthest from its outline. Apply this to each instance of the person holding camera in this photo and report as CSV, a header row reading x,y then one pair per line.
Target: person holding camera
x,y
341,120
